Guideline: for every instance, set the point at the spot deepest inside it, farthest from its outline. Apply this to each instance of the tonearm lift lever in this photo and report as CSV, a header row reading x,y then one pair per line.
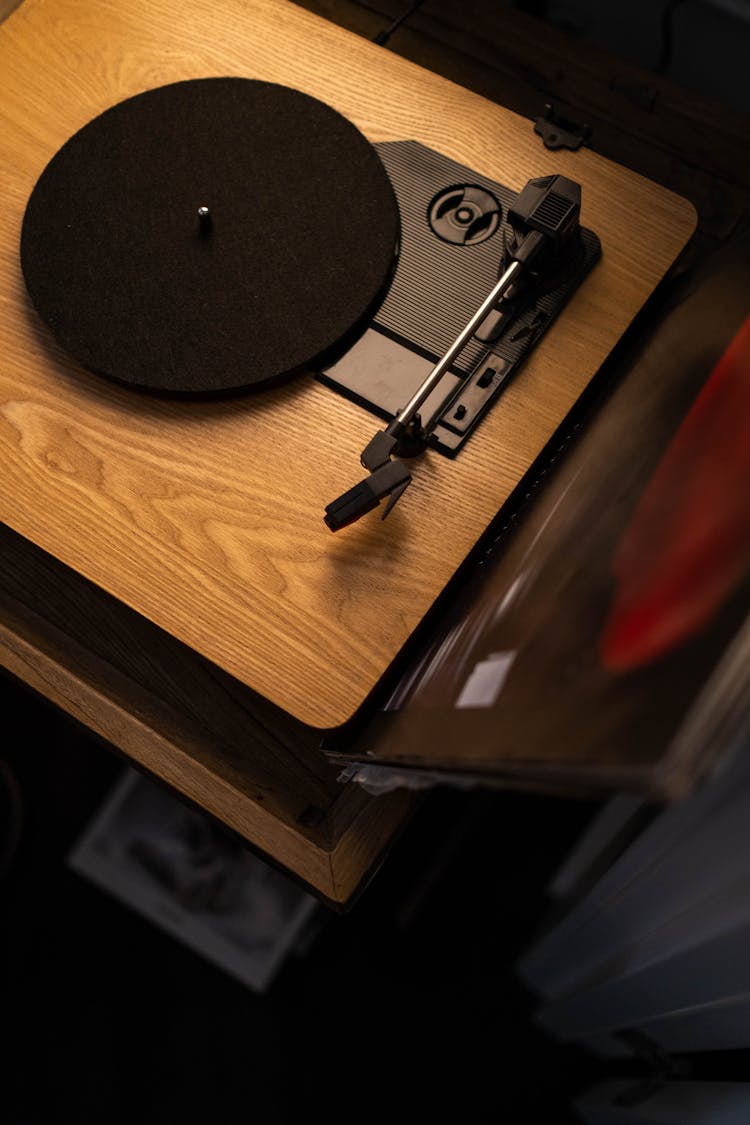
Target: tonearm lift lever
x,y
546,214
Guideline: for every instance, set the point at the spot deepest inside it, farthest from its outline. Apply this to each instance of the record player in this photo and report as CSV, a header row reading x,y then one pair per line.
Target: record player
x,y
408,281
185,410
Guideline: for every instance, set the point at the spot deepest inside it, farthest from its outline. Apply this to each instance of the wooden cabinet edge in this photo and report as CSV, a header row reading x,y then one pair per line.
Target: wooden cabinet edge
x,y
332,859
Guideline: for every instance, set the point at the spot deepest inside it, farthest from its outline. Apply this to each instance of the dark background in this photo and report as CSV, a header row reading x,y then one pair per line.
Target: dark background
x,y
405,1006
702,45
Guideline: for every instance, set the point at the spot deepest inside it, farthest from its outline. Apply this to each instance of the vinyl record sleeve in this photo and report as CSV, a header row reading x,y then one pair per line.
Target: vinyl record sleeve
x,y
605,641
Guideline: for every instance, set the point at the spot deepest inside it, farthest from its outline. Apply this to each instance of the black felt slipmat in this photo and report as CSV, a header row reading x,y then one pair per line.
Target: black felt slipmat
x,y
302,242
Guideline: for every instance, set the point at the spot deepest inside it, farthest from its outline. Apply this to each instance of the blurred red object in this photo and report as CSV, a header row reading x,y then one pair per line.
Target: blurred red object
x,y
687,546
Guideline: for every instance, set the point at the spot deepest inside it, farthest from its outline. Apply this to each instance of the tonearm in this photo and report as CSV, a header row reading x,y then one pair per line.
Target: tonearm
x,y
544,218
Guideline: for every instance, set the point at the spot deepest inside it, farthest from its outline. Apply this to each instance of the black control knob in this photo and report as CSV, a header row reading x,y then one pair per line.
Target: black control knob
x,y
464,215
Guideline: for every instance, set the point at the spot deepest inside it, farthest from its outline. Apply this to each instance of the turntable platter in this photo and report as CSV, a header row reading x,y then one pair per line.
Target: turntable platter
x,y
209,235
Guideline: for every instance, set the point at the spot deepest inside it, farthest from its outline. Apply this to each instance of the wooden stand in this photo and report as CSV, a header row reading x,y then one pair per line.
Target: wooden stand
x,y
167,575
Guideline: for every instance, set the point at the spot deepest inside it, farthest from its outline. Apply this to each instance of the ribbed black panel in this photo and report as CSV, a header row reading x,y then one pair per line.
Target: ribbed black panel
x,y
435,290
437,285
552,211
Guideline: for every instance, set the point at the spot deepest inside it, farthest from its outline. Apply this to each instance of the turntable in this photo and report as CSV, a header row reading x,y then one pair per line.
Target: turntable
x,y
249,239
311,257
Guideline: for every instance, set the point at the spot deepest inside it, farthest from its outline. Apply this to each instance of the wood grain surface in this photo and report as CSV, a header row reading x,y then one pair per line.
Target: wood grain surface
x,y
207,519
639,118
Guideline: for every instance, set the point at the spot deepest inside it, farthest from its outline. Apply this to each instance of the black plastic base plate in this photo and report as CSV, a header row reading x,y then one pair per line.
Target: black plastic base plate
x,y
437,286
